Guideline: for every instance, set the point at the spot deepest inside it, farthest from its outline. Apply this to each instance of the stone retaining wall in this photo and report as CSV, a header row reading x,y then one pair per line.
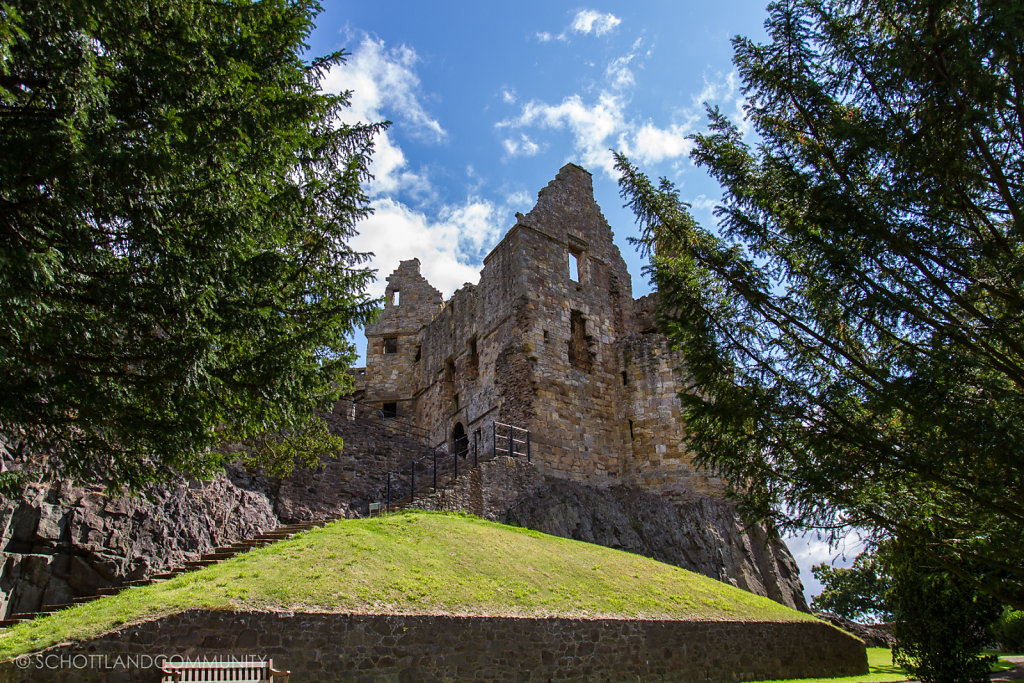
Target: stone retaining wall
x,y
332,647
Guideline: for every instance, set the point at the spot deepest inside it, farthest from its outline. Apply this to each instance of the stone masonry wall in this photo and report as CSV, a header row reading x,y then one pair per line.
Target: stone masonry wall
x,y
564,352
336,647
659,461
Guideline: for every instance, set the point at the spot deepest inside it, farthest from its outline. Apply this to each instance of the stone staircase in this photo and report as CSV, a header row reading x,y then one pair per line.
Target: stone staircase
x,y
215,556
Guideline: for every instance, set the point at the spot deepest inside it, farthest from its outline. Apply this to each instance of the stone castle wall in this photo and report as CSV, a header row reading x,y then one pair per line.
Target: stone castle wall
x,y
549,340
354,647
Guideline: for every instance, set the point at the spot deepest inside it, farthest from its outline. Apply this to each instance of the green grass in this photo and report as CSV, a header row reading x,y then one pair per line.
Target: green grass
x,y
881,668
418,563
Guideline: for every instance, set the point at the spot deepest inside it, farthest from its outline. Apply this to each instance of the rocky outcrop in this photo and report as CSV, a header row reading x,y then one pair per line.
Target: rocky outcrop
x,y
704,536
59,542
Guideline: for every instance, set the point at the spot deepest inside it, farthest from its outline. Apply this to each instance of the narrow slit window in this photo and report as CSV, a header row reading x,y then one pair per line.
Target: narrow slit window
x,y
419,353
625,378
632,436
574,267
396,297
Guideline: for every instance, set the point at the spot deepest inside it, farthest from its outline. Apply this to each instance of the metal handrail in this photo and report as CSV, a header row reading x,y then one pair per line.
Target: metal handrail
x,y
439,457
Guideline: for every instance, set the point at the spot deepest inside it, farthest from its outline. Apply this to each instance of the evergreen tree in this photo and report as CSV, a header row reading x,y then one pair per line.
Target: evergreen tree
x,y
175,199
855,328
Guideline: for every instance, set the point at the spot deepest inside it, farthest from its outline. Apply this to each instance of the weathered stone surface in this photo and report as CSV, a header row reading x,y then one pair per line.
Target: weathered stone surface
x,y
59,542
334,647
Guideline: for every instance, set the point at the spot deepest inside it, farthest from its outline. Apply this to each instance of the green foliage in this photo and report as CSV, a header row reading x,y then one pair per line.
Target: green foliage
x,y
176,199
940,622
1008,631
276,453
854,592
854,328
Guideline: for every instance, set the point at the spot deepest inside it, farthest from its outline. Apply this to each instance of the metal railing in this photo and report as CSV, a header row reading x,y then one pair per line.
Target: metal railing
x,y
508,437
442,466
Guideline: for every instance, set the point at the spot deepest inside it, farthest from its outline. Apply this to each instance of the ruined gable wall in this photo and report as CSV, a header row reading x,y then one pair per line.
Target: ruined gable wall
x,y
486,318
410,302
578,426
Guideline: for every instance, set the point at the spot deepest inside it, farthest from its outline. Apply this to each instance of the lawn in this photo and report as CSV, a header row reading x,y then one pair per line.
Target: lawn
x,y
418,563
881,668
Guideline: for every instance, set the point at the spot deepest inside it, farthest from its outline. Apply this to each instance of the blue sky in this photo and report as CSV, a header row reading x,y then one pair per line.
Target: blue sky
x,y
489,99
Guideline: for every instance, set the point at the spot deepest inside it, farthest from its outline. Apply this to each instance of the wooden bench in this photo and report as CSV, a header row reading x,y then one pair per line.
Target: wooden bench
x,y
255,671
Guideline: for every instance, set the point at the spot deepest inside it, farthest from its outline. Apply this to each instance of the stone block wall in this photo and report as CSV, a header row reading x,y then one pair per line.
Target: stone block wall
x,y
340,647
659,462
562,351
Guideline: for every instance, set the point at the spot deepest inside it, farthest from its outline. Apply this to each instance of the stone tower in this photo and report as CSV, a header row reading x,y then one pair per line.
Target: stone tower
x,y
550,340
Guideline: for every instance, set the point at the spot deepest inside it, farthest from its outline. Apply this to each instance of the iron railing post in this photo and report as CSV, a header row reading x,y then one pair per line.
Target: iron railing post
x,y
456,456
494,439
412,483
527,446
434,454
476,447
388,499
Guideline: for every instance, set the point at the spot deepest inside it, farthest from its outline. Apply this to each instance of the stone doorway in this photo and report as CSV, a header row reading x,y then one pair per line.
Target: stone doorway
x,y
460,441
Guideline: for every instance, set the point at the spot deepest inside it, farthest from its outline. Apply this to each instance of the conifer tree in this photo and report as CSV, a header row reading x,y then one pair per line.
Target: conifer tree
x,y
176,195
854,326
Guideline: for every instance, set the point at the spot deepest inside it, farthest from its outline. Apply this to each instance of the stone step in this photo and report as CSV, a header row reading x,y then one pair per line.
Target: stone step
x,y
84,598
139,582
4,623
196,564
218,555
111,590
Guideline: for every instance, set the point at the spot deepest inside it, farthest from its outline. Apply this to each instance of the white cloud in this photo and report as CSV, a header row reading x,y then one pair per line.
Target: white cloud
x,y
508,95
385,86
591,125
588,20
448,247
523,147
653,145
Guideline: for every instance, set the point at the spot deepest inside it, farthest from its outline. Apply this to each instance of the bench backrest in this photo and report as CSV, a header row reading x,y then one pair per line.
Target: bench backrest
x,y
238,672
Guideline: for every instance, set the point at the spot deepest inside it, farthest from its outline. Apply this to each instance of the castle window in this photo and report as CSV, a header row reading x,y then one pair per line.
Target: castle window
x,y
574,267
546,336
419,352
632,437
389,409
625,378
390,345
473,364
396,297
580,356
455,400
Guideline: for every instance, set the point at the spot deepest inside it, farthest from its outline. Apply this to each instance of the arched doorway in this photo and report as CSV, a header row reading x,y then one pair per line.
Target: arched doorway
x,y
460,442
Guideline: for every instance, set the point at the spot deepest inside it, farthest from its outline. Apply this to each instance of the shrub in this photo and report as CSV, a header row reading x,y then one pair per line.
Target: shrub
x,y
1009,631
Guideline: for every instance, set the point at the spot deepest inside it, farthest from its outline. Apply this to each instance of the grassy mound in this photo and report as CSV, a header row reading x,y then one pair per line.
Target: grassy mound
x,y
418,563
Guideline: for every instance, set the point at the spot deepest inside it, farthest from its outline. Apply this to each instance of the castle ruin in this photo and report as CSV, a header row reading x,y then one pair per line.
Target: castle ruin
x,y
550,340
